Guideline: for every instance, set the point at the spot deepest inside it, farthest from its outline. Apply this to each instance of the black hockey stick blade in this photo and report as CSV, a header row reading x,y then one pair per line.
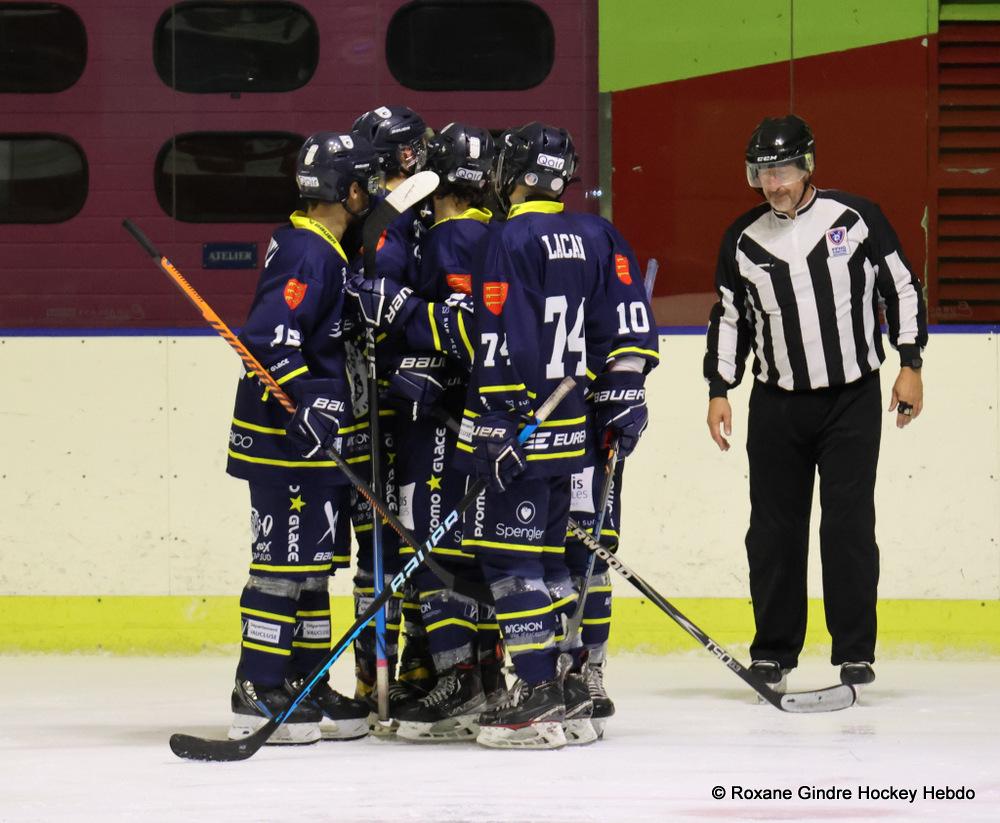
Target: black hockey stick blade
x,y
830,699
407,194
188,747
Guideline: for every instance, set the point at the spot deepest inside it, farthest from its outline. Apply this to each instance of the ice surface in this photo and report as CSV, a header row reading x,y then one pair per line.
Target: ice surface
x,y
85,739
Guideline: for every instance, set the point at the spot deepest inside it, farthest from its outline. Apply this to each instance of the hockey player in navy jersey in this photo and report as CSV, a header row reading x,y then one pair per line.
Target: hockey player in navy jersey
x,y
545,308
625,421
299,500
399,137
428,386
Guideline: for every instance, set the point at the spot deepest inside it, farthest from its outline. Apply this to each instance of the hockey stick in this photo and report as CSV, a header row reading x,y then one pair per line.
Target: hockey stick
x,y
408,193
610,464
573,626
830,699
198,748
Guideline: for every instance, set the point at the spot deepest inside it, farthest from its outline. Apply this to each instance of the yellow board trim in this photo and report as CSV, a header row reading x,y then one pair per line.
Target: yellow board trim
x,y
142,625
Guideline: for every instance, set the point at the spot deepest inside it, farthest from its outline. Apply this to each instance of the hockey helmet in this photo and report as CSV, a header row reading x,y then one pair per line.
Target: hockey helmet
x,y
538,156
462,156
782,146
329,162
399,136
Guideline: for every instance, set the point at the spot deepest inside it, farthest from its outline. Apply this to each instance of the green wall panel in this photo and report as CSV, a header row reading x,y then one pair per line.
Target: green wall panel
x,y
643,42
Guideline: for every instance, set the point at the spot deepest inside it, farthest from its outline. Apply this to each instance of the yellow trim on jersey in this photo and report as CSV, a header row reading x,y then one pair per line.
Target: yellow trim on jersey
x,y
438,550
295,464
306,644
479,215
301,220
556,455
510,387
536,206
649,352
524,647
464,447
464,335
270,650
564,601
321,613
591,375
434,328
450,621
514,547
470,414
281,618
488,626
355,428
242,424
596,621
526,613
267,567
291,374
598,589
568,421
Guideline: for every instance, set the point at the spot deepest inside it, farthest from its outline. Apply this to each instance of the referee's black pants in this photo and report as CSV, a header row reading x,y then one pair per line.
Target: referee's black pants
x,y
789,436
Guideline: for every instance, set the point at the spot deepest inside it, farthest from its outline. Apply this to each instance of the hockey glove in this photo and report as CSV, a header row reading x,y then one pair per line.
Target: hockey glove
x,y
417,384
316,422
497,457
382,303
619,400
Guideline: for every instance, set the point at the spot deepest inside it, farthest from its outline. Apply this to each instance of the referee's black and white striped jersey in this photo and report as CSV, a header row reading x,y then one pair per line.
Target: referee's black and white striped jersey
x,y
804,294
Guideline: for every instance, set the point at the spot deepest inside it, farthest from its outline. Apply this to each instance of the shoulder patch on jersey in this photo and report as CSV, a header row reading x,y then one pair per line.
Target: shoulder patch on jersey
x,y
295,292
622,269
494,296
461,283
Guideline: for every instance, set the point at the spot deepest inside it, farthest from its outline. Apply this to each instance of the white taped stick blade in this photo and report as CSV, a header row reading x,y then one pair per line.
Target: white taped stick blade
x,y
832,699
412,190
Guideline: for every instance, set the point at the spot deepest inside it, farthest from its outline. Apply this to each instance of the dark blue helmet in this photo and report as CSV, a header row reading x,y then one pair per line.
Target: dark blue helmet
x,y
462,156
329,162
538,156
399,136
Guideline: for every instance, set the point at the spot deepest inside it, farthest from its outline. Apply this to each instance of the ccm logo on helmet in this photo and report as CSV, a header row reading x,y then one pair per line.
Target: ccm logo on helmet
x,y
550,162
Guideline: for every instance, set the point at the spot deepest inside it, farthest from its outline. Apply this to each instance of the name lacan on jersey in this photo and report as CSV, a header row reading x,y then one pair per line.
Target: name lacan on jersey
x,y
554,297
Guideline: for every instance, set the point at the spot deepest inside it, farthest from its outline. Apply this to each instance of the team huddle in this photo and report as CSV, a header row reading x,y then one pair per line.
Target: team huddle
x,y
476,321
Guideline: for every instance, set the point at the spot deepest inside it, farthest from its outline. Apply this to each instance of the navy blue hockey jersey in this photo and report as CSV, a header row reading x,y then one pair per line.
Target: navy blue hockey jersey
x,y
295,330
554,297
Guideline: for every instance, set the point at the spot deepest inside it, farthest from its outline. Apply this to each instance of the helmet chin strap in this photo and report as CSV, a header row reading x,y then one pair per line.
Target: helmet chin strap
x,y
361,213
805,189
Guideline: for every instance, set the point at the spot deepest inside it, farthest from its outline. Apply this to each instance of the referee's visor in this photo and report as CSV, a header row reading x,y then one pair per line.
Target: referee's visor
x,y
783,172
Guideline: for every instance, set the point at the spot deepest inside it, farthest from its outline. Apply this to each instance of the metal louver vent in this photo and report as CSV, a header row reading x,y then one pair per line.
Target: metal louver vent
x,y
967,174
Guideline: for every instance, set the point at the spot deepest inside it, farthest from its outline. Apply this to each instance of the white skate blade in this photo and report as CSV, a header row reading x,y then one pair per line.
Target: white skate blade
x,y
599,723
530,736
352,729
287,734
580,732
454,729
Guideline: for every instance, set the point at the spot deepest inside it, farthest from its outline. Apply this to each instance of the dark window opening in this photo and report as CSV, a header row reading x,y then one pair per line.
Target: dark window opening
x,y
204,48
43,48
43,178
228,177
455,45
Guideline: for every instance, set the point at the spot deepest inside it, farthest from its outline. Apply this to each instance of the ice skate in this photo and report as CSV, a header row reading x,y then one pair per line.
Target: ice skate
x,y
857,675
254,705
449,712
603,705
770,673
343,717
579,710
531,718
